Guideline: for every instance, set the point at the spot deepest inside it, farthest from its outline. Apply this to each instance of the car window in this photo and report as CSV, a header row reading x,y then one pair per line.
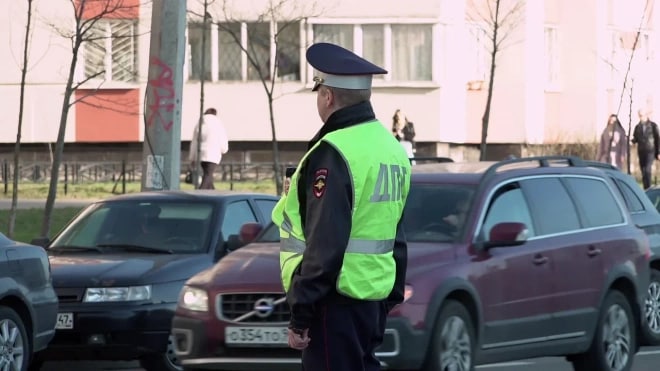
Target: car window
x,y
508,205
555,214
88,229
596,201
266,207
654,196
437,212
270,234
236,214
633,203
169,225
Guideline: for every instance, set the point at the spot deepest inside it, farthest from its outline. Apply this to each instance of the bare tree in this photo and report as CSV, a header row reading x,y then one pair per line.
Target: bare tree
x,y
17,145
497,19
87,14
278,17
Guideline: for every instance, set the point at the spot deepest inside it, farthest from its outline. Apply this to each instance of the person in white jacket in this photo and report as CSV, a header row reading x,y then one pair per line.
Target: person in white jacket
x,y
214,143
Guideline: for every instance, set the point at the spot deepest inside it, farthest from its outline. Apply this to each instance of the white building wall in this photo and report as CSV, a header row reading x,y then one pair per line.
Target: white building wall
x,y
442,110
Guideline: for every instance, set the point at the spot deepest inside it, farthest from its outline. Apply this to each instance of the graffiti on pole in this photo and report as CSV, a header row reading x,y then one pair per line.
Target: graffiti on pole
x,y
162,90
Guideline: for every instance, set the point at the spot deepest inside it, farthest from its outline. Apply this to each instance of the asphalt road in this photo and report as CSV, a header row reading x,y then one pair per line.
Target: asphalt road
x,y
648,359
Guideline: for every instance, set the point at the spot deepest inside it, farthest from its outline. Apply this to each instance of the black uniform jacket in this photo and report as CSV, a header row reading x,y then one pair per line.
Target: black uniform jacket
x,y
326,200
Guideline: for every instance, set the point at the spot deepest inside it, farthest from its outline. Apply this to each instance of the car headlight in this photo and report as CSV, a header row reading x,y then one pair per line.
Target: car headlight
x,y
112,294
194,299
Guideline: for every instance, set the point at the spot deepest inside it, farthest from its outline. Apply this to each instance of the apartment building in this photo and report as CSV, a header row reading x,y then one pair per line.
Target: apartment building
x,y
559,73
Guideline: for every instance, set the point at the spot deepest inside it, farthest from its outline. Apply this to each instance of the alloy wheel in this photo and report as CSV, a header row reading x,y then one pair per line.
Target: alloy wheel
x,y
652,307
616,338
456,348
11,346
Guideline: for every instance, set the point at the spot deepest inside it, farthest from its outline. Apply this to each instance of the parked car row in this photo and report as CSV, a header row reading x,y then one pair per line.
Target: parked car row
x,y
190,280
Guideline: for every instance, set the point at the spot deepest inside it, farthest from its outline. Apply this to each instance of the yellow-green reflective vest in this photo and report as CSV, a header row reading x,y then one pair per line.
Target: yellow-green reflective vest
x,y
381,180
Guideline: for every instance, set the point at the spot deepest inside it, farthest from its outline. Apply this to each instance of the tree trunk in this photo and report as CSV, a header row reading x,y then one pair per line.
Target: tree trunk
x,y
485,120
486,117
17,146
276,151
59,145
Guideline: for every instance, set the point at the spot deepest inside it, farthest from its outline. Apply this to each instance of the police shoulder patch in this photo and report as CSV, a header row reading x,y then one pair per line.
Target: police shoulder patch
x,y
320,178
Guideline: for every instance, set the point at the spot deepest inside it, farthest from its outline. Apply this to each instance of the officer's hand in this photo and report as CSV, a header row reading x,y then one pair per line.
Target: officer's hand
x,y
299,341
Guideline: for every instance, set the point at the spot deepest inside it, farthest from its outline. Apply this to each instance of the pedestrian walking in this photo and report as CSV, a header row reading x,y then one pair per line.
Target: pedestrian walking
x,y
209,145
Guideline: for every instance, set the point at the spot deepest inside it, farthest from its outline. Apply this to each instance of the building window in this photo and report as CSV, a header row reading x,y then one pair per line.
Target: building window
x,y
373,39
411,52
110,53
403,49
551,57
229,52
340,34
478,53
195,42
288,51
258,47
241,44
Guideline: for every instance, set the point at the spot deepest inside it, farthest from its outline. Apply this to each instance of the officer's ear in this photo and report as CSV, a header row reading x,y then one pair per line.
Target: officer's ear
x,y
326,95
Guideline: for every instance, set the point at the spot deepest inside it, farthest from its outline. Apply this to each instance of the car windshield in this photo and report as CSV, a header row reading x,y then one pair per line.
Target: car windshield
x,y
436,212
134,226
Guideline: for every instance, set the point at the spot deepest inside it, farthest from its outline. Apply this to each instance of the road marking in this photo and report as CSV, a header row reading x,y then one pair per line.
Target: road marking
x,y
506,364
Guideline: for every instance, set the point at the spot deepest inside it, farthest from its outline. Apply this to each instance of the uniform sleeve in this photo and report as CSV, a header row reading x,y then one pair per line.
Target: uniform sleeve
x,y
401,259
326,203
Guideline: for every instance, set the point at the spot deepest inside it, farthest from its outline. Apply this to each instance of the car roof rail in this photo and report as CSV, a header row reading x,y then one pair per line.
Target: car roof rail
x,y
601,165
432,159
543,161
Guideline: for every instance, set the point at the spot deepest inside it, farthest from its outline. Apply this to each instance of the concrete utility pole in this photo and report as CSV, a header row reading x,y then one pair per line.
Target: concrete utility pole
x,y
161,164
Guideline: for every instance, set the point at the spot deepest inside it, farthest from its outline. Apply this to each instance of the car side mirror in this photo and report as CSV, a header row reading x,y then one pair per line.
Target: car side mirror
x,y
249,232
40,241
507,234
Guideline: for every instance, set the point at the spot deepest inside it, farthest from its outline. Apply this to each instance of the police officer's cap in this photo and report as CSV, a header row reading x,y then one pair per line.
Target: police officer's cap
x,y
340,68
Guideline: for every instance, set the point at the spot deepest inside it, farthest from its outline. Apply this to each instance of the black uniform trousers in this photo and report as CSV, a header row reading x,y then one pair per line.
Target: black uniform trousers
x,y
344,336
646,160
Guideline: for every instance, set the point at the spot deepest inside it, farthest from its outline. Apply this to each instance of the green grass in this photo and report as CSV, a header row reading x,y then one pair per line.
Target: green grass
x,y
102,190
28,222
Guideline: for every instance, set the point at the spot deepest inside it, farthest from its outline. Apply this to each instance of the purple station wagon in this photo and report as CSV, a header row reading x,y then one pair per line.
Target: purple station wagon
x,y
510,260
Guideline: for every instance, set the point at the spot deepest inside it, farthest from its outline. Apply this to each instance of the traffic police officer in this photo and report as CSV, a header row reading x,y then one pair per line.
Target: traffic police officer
x,y
343,252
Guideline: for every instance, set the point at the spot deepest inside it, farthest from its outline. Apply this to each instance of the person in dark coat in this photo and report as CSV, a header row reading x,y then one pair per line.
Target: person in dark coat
x,y
646,137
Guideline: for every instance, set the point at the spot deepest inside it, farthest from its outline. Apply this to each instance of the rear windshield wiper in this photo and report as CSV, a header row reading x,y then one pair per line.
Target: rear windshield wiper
x,y
71,248
139,248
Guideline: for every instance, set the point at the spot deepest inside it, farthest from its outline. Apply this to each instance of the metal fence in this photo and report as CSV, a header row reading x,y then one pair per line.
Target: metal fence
x,y
122,172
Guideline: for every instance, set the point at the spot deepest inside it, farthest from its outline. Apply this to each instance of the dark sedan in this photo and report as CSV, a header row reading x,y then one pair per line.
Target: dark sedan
x,y
28,304
119,266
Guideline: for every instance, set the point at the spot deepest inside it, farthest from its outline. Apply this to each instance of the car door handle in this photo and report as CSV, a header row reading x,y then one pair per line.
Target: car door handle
x,y
540,260
593,251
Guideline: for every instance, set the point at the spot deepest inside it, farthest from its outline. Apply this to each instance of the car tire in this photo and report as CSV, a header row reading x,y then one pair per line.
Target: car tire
x,y
613,348
651,328
18,347
453,340
167,361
